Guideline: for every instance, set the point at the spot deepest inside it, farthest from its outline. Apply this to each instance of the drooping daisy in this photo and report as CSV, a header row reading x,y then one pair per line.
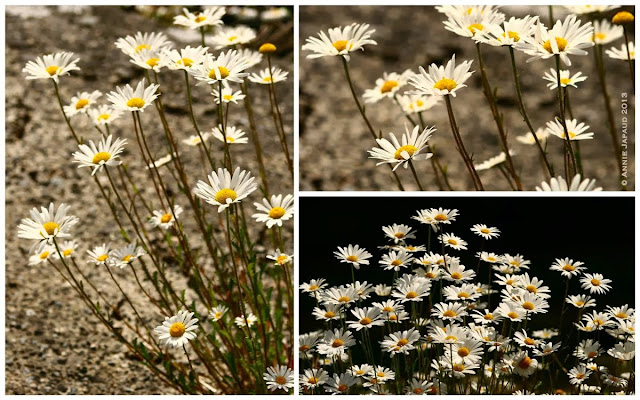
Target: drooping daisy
x,y
126,255
81,103
581,301
396,260
209,17
441,80
568,37
622,313
527,138
387,86
402,152
588,350
51,66
400,342
353,254
227,66
279,257
522,364
340,384
558,184
576,131
493,161
225,189
104,114
217,312
228,95
365,318
614,381
242,322
148,59
623,351
128,99
279,377
485,231
473,24
314,286
595,283
131,45
546,349
509,33
164,219
417,103
312,378
621,54
275,211
106,153
47,224
100,255
183,59
231,133
265,77
177,330
604,32
453,241
565,79
516,261
340,41
567,267
42,255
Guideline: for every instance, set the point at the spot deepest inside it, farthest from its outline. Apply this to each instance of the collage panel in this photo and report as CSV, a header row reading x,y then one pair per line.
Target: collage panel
x,y
466,295
454,97
149,158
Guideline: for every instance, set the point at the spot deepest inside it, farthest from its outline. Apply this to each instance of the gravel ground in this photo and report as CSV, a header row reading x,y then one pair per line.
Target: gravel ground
x,y
53,343
334,139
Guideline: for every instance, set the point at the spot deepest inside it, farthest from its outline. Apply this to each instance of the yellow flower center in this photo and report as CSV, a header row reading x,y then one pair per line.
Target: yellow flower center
x,y
267,48
218,315
388,86
102,258
166,218
561,42
337,343
127,258
449,313
458,367
101,156
381,374
453,242
187,62
227,97
103,117
153,61
524,363
513,35
445,84
341,45
579,303
418,390
411,295
393,317
512,315
352,258
232,38
200,18
396,263
82,103
475,27
281,380
493,259
527,305
225,194
67,252
595,282
44,255
52,69
488,317
277,212
329,314
600,36
282,259
509,282
529,341
342,388
312,380
387,309
430,275
568,267
266,79
623,17
485,230
579,375
451,338
224,72
532,289
402,342
344,299
463,295
135,102
621,315
399,235
408,148
463,351
456,275
312,287
142,47
365,321
419,103
50,227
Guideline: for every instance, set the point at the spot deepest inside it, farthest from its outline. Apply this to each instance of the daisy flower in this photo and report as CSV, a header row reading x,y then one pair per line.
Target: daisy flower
x,y
402,152
457,273
125,256
104,114
106,153
47,224
486,317
449,311
622,313
493,161
67,249
489,257
313,286
353,254
527,138
581,301
567,267
266,77
42,255
417,103
131,45
534,286
339,41
81,102
279,377
614,381
312,378
380,375
468,350
183,59
387,86
465,292
128,99
148,59
233,36
453,241
340,296
274,14
588,350
225,189
336,342
516,261
522,364
598,320
558,184
413,291
418,387
436,216
209,17
329,313
546,349
242,322
566,38
227,67
280,258
163,219
340,384
217,312
623,351
306,342
604,32
485,231
621,54
565,79
100,255
250,57
512,311
577,131
51,66
441,80
578,374
382,290
545,333
275,211
396,260
365,318
449,334
523,339
472,24
595,283
360,370
508,33
231,133
228,95
177,330
400,342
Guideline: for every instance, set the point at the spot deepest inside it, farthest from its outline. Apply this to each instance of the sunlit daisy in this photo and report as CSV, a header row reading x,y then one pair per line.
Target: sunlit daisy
x,y
128,99
567,267
595,283
131,45
183,59
340,384
577,131
47,224
148,59
209,17
42,255
264,77
614,381
231,133
51,66
228,95
336,342
417,103
365,318
314,286
165,219
413,291
279,377
233,36
353,254
396,260
402,152
598,320
578,374
493,161
328,313
565,79
453,241
217,312
225,189
604,32
588,350
623,351
106,153
275,211
280,258
177,330
227,66
340,296
126,255
449,311
441,80
387,86
485,231
104,114
436,216
558,184
100,255
512,311
242,322
622,313
621,54
312,378
339,41
489,257
81,103
508,33
67,249
400,342
522,364
472,24
581,301
516,261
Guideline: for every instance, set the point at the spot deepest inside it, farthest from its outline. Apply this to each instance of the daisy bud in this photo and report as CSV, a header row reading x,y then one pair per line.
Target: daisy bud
x,y
271,48
622,18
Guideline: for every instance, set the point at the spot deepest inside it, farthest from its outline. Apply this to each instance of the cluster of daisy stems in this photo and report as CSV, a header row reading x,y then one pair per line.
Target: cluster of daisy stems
x,y
197,259
486,26
439,327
